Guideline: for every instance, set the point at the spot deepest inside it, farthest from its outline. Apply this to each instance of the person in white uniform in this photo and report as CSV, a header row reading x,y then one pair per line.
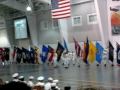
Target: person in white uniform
x,y
40,81
105,57
15,77
22,79
73,58
66,61
55,62
30,81
56,81
48,84
63,58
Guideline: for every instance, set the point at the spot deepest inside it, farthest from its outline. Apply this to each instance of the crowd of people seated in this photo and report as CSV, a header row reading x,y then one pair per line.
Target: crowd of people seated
x,y
18,83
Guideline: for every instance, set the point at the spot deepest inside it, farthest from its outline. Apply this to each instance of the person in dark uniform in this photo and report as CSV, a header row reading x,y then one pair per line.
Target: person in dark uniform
x,y
28,56
7,52
19,55
3,56
24,55
32,57
67,88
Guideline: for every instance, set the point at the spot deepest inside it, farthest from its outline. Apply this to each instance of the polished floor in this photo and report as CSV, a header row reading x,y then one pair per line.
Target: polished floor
x,y
77,77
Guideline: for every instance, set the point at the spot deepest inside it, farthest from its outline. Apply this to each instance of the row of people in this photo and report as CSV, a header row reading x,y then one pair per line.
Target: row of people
x,y
72,58
40,82
68,57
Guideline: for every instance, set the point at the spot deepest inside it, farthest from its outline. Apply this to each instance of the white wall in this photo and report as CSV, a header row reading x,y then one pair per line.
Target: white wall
x,y
4,41
81,32
50,36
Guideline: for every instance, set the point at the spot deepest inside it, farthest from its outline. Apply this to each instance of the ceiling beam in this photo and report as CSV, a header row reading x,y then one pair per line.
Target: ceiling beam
x,y
45,1
14,4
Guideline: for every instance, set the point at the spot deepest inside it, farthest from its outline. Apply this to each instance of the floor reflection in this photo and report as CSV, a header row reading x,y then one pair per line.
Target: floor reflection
x,y
73,76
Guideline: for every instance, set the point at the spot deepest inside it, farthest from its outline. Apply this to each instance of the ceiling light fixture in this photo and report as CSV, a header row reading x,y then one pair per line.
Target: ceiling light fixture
x,y
28,8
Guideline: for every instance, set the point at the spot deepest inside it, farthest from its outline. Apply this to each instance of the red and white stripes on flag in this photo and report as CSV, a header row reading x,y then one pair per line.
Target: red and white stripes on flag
x,y
61,9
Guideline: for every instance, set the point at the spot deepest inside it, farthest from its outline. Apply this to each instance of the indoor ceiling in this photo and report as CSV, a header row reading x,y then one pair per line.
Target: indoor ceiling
x,y
10,7
36,4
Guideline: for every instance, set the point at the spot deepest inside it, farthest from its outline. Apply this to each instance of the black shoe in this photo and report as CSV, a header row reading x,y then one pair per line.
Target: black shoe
x,y
97,65
104,65
112,65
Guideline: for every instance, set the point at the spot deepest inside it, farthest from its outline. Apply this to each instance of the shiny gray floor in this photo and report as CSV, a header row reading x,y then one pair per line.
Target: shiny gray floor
x,y
107,77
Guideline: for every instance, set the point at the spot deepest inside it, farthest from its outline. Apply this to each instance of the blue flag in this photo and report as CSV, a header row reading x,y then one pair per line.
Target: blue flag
x,y
65,45
99,52
44,53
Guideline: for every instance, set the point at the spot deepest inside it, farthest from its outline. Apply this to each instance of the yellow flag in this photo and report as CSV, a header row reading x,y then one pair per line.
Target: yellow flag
x,y
92,52
37,54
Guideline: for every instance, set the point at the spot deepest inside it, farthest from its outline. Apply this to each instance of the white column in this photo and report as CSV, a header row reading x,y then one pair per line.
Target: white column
x,y
101,10
63,30
4,40
33,29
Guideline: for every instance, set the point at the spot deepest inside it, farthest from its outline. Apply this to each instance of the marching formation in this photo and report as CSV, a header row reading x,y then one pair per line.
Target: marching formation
x,y
88,54
39,84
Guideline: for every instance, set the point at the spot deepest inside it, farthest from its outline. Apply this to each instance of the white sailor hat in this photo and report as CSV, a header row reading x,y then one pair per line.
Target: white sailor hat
x,y
53,84
31,77
55,81
15,75
50,79
21,77
40,78
6,82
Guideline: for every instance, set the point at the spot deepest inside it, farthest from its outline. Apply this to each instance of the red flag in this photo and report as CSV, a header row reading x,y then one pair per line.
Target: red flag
x,y
77,47
1,53
14,52
51,53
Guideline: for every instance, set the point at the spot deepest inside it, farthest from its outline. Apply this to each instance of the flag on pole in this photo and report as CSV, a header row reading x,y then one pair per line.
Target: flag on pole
x,y
44,53
92,52
75,42
51,53
111,52
14,52
59,51
32,55
65,45
99,52
118,53
60,9
77,47
86,51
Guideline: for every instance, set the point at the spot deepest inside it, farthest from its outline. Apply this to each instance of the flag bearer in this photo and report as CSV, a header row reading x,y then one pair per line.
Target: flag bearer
x,y
66,61
105,56
73,58
55,62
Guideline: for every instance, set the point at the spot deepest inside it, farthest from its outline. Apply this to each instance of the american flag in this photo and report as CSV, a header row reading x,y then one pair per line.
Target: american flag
x,y
60,9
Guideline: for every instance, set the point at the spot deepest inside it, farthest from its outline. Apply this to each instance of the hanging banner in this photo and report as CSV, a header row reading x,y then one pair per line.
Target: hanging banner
x,y
114,7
